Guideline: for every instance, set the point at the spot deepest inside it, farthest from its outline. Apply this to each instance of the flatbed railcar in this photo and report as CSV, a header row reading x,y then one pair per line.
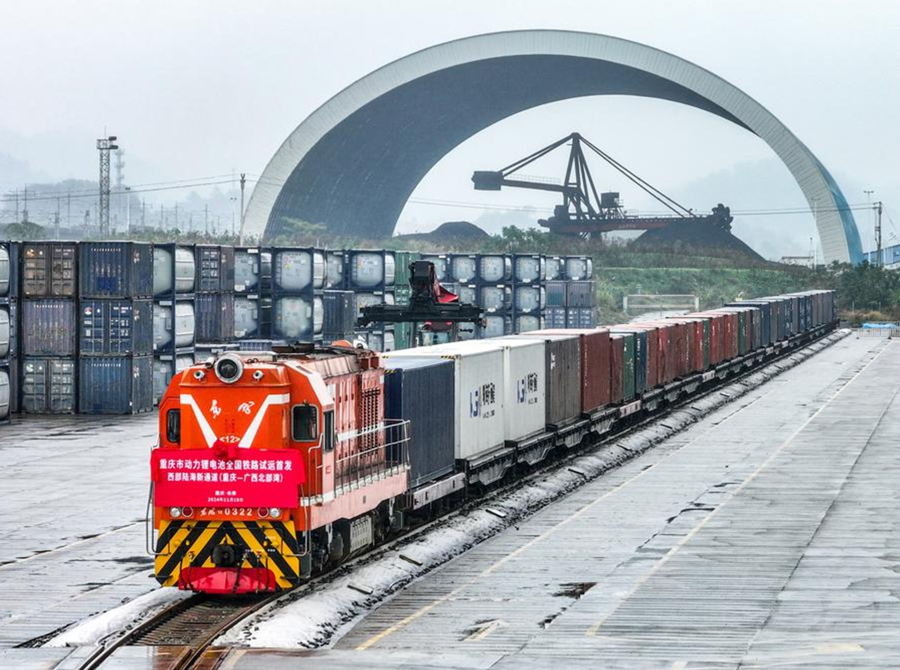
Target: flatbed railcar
x,y
272,466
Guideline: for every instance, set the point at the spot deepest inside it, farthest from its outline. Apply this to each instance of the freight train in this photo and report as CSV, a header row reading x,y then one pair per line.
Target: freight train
x,y
272,466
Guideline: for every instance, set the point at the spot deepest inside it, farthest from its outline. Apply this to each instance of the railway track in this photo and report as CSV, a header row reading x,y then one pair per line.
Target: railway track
x,y
184,633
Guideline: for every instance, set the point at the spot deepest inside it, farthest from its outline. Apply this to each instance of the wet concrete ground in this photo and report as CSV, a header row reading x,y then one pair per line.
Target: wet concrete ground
x,y
766,535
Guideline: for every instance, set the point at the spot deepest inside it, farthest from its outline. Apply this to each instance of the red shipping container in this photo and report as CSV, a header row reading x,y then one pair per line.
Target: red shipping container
x,y
731,335
716,335
595,383
616,368
671,342
694,327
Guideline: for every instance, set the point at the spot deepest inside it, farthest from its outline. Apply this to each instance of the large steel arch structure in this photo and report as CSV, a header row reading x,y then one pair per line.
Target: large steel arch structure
x,y
354,162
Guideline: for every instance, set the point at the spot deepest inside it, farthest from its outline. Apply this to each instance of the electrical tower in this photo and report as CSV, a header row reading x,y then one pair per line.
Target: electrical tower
x,y
104,146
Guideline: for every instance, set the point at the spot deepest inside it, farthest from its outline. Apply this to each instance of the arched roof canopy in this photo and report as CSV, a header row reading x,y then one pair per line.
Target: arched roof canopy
x,y
354,162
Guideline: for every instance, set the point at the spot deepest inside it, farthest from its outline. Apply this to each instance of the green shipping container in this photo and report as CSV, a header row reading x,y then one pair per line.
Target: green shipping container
x,y
402,259
628,371
743,344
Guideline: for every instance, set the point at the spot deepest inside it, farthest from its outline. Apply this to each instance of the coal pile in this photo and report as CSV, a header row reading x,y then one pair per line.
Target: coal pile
x,y
454,232
695,237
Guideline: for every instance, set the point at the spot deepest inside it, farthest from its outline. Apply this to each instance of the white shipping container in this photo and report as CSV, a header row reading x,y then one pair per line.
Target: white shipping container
x,y
529,298
495,298
4,394
4,271
185,270
524,398
441,269
495,269
462,269
529,269
297,318
4,332
478,393
529,322
554,268
371,269
246,317
164,370
579,268
361,300
334,269
496,326
298,270
246,270
166,327
468,295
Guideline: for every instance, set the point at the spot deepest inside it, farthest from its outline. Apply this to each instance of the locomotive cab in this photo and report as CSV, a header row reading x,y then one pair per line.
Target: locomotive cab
x,y
260,457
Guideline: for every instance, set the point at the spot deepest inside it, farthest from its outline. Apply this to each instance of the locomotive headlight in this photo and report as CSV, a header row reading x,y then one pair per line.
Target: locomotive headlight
x,y
258,375
175,512
275,513
199,374
229,368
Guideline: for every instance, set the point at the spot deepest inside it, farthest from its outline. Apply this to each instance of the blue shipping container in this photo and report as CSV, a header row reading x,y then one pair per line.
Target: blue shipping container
x,y
48,327
120,385
409,390
115,270
121,327
214,317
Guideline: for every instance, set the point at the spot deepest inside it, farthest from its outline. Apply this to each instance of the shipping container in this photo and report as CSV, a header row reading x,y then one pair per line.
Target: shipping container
x,y
594,365
361,300
477,394
580,294
14,367
494,269
251,344
617,368
6,392
463,268
563,373
494,298
115,270
403,260
115,327
555,293
48,385
247,317
164,369
495,325
524,384
556,317
369,270
466,294
49,269
581,317
174,269
215,268
554,268
297,318
115,385
298,270
248,269
5,332
214,316
441,266
529,299
579,268
409,395
644,366
334,270
173,329
8,265
528,269
527,323
49,327
377,340
628,366
339,315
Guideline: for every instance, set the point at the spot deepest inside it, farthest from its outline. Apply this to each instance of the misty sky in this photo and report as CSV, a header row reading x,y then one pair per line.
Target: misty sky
x,y
195,89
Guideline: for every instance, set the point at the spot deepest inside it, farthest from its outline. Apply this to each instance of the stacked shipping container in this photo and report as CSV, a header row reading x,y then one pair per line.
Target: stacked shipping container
x,y
115,327
214,293
9,363
174,333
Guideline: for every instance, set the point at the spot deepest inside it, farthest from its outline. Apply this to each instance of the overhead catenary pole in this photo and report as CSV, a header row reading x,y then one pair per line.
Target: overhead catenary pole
x,y
878,208
243,182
